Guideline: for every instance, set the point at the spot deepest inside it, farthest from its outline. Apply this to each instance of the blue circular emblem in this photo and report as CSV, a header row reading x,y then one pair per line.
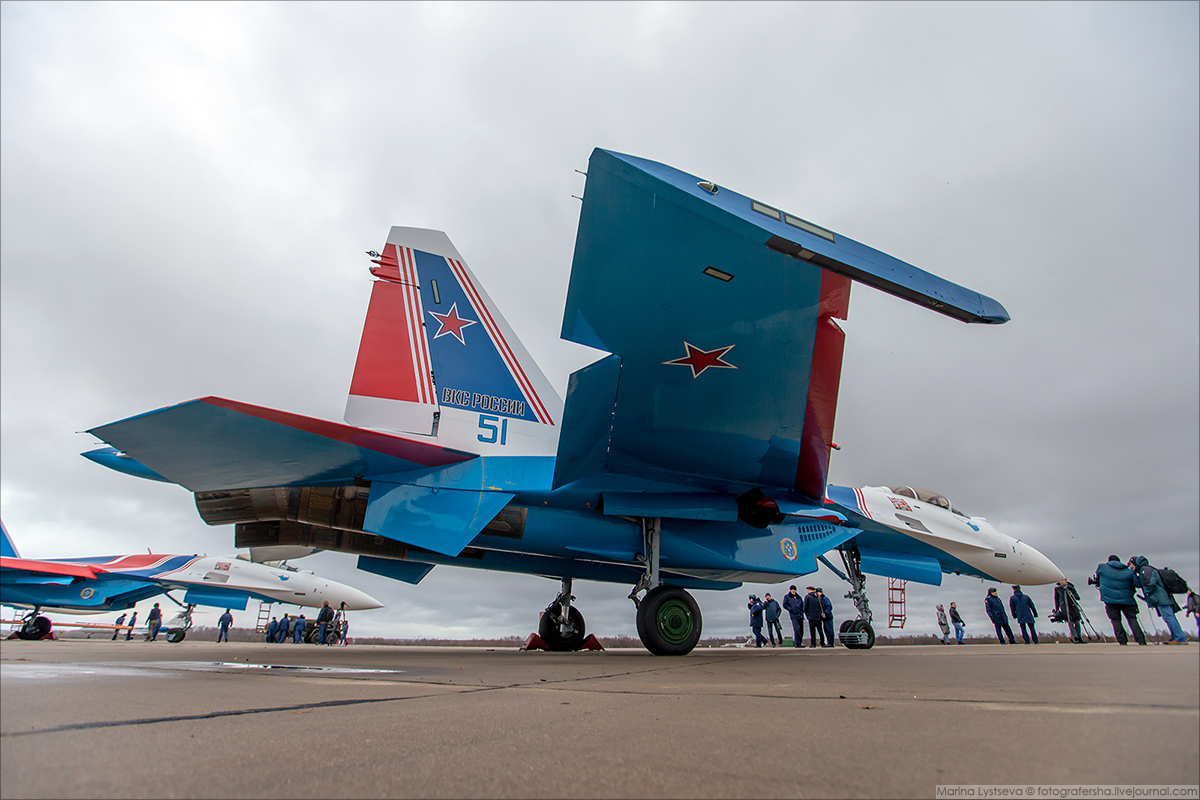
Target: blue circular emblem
x,y
789,549
87,593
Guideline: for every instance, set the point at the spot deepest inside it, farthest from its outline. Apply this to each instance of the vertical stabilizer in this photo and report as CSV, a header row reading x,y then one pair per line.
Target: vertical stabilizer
x,y
438,359
7,548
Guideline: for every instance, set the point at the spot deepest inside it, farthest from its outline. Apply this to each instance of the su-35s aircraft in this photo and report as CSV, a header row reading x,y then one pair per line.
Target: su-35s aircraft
x,y
694,456
112,583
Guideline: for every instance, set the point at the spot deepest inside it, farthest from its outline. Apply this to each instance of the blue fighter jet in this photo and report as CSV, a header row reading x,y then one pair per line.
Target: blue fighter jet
x,y
694,455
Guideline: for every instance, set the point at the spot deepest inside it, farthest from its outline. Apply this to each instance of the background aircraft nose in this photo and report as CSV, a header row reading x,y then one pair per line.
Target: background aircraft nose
x,y
1039,569
355,600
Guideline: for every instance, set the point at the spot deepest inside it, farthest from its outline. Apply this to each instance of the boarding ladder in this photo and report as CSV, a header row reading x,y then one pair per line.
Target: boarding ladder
x,y
264,617
897,613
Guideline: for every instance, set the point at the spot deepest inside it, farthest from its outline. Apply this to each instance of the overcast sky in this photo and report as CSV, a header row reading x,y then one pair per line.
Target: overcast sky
x,y
186,192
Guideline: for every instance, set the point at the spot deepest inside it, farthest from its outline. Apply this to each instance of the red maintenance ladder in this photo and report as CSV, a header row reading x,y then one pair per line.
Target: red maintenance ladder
x,y
896,608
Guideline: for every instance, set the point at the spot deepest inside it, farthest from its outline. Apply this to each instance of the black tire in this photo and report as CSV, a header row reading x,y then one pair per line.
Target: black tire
x,y
548,629
846,626
310,635
176,635
37,628
669,621
863,625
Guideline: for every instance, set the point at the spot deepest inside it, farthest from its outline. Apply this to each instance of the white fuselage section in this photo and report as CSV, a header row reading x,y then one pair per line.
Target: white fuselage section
x,y
972,540
297,587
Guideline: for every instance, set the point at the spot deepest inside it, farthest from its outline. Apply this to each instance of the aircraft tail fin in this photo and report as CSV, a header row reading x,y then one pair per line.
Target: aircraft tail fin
x,y
437,359
7,548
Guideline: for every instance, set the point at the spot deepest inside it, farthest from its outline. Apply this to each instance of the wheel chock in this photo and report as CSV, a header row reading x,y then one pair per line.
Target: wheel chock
x,y
534,642
591,643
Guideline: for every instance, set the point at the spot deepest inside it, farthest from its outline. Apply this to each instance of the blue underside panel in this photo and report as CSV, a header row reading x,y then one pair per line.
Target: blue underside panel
x,y
408,571
219,599
678,505
442,520
902,566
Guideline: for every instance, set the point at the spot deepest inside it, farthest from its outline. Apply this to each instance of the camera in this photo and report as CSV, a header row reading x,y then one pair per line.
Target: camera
x,y
1092,581
1058,616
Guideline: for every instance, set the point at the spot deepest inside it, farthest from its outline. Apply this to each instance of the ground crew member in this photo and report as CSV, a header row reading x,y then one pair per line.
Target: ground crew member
x,y
154,622
298,628
1024,612
794,604
272,628
756,620
812,610
323,619
225,621
826,616
771,612
995,611
132,623
119,622
283,629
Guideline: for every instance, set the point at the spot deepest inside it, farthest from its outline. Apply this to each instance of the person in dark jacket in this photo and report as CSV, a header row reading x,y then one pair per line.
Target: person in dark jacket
x,y
120,621
132,623
272,629
285,625
1157,597
1068,610
298,628
794,605
224,622
813,612
756,619
154,622
826,616
771,612
1193,608
324,617
995,612
957,621
1024,612
1115,582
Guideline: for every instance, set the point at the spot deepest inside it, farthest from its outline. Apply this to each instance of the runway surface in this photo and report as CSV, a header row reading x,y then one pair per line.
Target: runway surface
x,y
89,718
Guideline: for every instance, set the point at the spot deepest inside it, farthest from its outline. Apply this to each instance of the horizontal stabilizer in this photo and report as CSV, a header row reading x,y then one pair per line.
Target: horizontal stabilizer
x,y
212,443
407,571
441,520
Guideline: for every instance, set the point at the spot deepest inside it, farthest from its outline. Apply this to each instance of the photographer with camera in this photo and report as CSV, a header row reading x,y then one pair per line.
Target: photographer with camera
x,y
1116,582
1157,596
1067,608
756,607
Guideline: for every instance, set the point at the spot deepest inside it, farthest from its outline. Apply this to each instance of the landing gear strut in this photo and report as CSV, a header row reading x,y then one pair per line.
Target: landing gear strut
x,y
668,618
34,627
856,634
180,624
561,626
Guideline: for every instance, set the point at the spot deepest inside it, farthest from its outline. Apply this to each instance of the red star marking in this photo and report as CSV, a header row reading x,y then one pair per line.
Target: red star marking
x,y
700,360
451,323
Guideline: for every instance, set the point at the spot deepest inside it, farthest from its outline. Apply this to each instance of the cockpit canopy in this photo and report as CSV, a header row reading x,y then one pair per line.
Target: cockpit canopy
x,y
926,496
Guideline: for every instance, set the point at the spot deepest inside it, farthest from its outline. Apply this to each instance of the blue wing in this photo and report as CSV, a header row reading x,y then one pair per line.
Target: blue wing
x,y
719,312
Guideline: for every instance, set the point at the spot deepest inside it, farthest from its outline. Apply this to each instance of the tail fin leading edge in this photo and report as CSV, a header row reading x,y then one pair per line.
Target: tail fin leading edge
x,y
7,548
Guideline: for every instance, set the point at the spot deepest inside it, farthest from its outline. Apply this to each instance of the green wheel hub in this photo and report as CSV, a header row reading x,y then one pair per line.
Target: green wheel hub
x,y
674,621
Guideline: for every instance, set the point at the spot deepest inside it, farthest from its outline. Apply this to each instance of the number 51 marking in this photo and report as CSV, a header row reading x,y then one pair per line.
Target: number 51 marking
x,y
487,422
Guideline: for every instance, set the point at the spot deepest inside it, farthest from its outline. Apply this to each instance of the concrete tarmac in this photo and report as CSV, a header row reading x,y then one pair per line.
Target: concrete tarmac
x,y
95,718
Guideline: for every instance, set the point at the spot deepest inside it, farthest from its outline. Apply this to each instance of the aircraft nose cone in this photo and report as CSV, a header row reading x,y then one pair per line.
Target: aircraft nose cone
x,y
1040,569
355,600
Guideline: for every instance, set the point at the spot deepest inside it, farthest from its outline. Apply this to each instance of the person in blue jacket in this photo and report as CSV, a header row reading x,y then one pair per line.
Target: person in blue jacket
x,y
756,620
794,605
298,628
771,612
284,626
826,616
1024,612
1116,583
224,622
272,627
1157,597
995,612
813,611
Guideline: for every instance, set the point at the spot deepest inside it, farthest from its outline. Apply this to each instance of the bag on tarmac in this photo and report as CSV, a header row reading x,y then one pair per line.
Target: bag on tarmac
x,y
1172,582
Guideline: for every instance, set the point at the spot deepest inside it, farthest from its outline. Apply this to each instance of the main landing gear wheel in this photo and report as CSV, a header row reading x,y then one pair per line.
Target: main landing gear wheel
x,y
860,626
668,621
549,628
34,629
175,635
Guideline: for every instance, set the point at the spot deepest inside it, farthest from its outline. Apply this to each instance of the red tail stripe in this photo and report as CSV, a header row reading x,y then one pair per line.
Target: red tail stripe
x,y
506,353
420,347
